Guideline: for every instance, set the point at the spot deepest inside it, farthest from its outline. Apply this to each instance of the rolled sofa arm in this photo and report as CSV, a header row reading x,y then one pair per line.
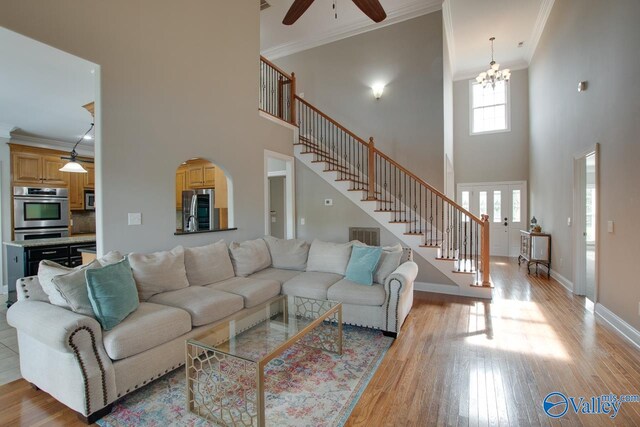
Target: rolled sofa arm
x,y
62,353
399,289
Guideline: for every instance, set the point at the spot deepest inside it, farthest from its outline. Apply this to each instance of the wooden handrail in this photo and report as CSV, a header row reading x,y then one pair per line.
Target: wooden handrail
x,y
275,67
434,190
338,125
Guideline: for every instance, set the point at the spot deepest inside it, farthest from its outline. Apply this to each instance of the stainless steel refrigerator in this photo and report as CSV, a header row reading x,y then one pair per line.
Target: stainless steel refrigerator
x,y
199,212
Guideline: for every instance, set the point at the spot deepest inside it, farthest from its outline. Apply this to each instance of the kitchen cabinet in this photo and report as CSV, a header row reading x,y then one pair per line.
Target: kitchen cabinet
x,y
209,174
33,167
181,185
90,176
195,176
76,191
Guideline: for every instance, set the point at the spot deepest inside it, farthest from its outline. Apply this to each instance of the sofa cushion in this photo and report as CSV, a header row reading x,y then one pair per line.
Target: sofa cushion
x,y
72,287
362,264
159,272
208,264
203,304
110,258
254,291
112,293
249,257
147,327
329,257
390,260
310,284
289,254
47,270
350,292
277,274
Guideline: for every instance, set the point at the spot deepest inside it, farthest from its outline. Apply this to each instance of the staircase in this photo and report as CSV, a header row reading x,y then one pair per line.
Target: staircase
x,y
439,230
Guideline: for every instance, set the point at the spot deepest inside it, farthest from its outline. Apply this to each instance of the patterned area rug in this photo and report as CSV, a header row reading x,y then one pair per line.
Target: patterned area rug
x,y
304,387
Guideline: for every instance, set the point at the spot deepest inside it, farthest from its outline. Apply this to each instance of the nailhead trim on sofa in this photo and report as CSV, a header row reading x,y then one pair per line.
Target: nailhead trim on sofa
x,y
76,351
386,315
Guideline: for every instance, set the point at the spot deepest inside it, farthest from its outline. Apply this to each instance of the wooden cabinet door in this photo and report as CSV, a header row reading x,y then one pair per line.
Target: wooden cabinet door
x,y
90,176
181,185
195,176
209,173
76,191
51,170
27,168
221,191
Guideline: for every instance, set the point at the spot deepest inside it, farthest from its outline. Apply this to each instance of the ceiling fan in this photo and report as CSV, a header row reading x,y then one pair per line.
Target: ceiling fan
x,y
372,8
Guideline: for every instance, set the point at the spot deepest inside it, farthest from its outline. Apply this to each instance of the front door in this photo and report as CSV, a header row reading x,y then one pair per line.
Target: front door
x,y
505,203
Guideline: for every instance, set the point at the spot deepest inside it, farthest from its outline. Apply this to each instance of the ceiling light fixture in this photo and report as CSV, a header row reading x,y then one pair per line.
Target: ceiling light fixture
x,y
73,165
493,74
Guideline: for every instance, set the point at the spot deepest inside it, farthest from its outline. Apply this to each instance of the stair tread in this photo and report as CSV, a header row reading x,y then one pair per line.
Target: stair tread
x,y
382,210
414,233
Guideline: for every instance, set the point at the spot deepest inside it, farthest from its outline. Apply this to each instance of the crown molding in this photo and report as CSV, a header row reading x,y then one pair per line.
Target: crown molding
x,y
538,28
447,23
472,74
33,141
5,130
413,10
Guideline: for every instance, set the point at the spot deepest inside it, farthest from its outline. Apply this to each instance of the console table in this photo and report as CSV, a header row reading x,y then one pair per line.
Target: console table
x,y
535,248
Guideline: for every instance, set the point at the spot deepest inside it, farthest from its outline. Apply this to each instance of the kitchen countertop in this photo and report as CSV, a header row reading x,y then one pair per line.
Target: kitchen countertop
x,y
85,238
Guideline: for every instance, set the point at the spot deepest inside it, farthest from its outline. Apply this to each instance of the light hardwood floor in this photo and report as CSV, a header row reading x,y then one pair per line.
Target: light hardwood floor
x,y
9,362
464,362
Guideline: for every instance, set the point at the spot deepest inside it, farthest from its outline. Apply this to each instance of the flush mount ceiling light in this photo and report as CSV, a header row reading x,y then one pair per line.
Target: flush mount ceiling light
x,y
493,74
377,89
73,164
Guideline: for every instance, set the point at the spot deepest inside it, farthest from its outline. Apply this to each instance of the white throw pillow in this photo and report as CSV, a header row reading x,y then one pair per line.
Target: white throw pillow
x,y
249,257
208,264
110,258
47,270
329,257
72,287
159,272
288,254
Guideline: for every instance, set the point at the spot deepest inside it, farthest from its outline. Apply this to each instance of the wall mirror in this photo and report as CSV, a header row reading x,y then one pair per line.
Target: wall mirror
x,y
203,197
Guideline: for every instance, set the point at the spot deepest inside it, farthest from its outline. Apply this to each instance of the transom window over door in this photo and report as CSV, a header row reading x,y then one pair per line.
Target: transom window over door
x,y
489,108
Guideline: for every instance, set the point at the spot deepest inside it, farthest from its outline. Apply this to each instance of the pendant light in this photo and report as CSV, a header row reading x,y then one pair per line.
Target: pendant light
x,y
493,74
73,165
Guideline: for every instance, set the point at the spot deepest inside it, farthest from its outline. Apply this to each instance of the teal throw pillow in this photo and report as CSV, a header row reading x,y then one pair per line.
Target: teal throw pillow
x,y
362,264
112,293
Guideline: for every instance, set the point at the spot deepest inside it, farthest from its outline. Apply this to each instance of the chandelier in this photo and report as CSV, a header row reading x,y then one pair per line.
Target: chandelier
x,y
493,74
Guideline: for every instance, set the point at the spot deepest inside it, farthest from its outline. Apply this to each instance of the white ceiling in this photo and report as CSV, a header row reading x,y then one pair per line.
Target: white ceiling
x,y
468,24
42,90
318,25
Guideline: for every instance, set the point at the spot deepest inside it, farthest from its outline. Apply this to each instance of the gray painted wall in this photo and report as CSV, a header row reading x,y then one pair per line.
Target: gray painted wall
x,y
331,223
176,82
502,156
599,42
407,122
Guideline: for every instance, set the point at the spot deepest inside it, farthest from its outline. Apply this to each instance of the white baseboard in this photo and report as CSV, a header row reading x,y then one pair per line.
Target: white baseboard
x,y
568,284
477,293
625,329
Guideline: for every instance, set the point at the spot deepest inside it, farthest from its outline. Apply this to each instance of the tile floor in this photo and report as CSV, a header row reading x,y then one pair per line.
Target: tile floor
x,y
9,361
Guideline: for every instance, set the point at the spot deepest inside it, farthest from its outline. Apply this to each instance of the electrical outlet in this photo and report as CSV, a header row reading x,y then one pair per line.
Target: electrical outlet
x,y
610,226
135,218
328,202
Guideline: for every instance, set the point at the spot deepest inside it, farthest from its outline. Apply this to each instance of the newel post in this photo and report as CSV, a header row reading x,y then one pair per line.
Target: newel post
x,y
486,250
372,170
292,101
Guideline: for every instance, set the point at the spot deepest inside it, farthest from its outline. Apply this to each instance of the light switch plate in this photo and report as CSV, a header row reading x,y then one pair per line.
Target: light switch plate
x,y
302,221
610,226
135,218
328,202
569,222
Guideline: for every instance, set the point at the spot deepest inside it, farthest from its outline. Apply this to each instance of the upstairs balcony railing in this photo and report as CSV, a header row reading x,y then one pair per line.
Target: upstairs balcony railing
x,y
277,89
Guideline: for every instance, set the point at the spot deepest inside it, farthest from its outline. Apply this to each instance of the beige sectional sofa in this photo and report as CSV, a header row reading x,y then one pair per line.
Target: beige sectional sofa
x,y
70,356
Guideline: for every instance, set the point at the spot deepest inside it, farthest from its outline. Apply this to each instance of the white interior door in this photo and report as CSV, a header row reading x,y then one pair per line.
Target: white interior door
x,y
505,203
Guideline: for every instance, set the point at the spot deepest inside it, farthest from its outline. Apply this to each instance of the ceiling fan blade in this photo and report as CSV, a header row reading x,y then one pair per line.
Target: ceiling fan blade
x,y
296,10
372,8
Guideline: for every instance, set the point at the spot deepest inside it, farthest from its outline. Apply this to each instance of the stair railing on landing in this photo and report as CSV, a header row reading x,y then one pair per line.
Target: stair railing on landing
x,y
277,89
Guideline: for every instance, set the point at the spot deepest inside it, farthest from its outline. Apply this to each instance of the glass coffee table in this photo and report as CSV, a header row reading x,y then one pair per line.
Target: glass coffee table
x,y
225,364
